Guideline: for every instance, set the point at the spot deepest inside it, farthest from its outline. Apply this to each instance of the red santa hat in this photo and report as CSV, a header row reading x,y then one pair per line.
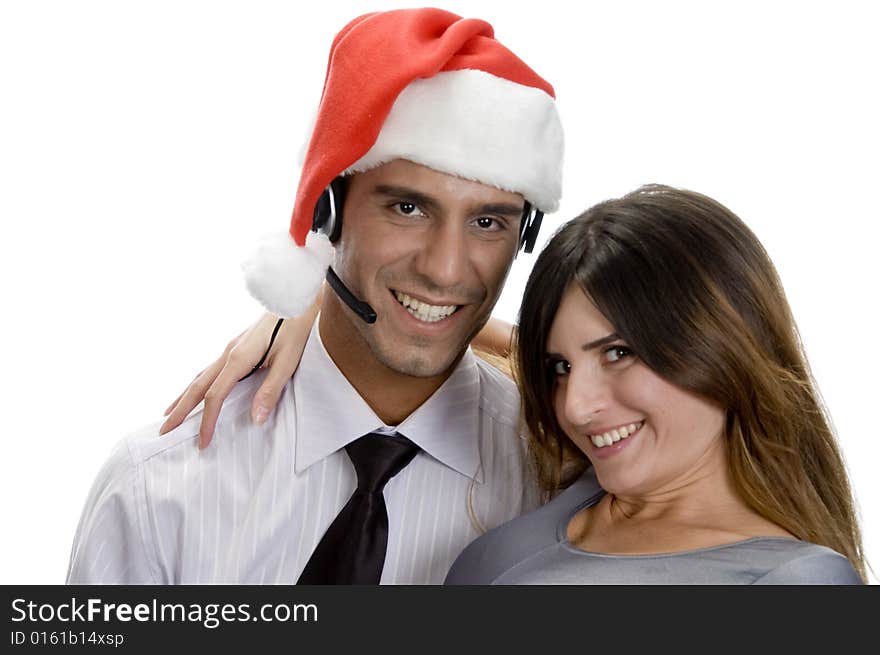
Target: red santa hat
x,y
423,85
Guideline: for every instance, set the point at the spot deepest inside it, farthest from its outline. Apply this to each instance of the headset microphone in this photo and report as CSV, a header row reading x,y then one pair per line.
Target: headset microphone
x,y
328,220
359,307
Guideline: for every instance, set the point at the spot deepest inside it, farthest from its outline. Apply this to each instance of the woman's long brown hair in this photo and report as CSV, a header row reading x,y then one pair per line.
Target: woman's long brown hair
x,y
692,291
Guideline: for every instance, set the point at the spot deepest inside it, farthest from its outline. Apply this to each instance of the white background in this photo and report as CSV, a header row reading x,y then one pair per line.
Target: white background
x,y
145,146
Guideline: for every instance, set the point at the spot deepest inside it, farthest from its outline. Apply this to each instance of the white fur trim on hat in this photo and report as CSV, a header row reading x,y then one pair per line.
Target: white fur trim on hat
x,y
284,277
476,126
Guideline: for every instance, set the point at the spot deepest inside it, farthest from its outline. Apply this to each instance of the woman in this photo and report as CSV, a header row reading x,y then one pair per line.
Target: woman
x,y
661,373
668,399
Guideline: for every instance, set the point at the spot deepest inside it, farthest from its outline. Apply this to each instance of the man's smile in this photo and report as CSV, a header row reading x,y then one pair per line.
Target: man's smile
x,y
427,312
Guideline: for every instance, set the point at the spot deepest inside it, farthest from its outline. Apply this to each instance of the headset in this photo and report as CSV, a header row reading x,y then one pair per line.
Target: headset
x,y
327,220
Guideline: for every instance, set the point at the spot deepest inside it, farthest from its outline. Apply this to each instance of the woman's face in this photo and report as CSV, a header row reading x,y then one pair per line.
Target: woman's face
x,y
642,434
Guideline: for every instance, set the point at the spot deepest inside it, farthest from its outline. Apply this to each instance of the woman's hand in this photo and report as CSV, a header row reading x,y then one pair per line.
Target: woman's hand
x,y
238,360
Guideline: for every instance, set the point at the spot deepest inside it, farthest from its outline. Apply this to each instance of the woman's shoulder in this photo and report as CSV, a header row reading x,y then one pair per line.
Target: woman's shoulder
x,y
502,548
804,563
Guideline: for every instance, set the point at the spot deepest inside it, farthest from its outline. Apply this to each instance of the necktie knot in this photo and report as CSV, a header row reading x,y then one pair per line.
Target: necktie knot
x,y
377,458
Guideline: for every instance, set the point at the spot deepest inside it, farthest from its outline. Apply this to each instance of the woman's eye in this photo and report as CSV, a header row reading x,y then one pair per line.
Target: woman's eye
x,y
560,367
616,353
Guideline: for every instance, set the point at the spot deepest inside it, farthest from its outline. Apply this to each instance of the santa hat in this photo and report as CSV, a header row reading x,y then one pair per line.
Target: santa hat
x,y
423,85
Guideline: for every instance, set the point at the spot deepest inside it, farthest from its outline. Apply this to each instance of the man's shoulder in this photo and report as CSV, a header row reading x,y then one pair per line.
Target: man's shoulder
x,y
499,397
145,442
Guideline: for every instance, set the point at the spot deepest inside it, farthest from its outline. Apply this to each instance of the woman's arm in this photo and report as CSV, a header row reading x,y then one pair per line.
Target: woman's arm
x,y
495,337
241,355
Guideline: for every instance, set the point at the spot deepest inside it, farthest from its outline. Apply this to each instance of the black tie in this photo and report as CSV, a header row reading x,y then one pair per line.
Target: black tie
x,y
352,551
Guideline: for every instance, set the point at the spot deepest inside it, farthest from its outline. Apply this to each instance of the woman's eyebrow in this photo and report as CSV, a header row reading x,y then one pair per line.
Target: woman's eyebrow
x,y
587,346
600,342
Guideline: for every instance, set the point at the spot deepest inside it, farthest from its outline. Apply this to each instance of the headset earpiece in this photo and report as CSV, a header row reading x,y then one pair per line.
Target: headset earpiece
x,y
530,225
328,210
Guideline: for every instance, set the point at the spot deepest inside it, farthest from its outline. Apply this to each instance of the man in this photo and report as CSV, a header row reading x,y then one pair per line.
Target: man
x,y
393,447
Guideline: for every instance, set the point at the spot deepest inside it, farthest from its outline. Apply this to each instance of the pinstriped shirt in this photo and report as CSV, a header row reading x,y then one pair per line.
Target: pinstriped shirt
x,y
252,507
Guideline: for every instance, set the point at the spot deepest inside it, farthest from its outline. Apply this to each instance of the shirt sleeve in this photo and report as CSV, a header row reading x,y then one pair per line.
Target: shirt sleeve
x,y
110,545
824,568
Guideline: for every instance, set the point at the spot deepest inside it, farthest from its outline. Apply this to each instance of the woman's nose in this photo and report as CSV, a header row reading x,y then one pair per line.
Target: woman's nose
x,y
586,396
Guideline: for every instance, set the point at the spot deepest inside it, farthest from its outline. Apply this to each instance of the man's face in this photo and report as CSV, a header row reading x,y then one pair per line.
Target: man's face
x,y
429,252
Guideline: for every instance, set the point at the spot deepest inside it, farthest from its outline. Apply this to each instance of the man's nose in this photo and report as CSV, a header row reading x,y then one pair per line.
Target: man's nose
x,y
444,258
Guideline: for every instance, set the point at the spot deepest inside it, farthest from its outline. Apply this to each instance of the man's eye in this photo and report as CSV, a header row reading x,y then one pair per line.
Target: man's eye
x,y
616,353
407,209
489,223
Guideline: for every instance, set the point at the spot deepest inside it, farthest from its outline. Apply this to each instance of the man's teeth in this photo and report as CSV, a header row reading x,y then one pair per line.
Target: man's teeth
x,y
613,436
423,311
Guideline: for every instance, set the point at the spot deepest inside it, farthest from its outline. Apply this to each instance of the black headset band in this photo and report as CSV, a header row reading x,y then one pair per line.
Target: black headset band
x,y
327,217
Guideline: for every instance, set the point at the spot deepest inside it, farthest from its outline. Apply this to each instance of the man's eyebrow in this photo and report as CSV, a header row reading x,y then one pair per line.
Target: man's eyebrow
x,y
502,209
405,193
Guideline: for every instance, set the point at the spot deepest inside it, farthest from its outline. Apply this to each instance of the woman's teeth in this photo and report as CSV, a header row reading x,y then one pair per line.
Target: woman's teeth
x,y
613,436
423,311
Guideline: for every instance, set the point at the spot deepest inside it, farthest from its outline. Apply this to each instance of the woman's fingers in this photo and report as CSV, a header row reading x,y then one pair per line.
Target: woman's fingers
x,y
174,403
281,369
177,400
191,397
244,352
239,357
215,395
283,362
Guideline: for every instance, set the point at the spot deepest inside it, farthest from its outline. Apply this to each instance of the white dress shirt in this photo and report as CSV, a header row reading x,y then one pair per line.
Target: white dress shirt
x,y
253,506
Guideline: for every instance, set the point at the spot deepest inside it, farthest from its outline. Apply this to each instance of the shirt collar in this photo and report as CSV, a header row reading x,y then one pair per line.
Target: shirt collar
x,y
330,413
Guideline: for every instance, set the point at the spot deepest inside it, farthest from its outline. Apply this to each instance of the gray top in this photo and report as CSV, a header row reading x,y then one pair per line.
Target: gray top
x,y
534,549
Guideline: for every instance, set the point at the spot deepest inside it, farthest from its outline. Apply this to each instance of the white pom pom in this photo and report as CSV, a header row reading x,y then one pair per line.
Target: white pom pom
x,y
284,277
